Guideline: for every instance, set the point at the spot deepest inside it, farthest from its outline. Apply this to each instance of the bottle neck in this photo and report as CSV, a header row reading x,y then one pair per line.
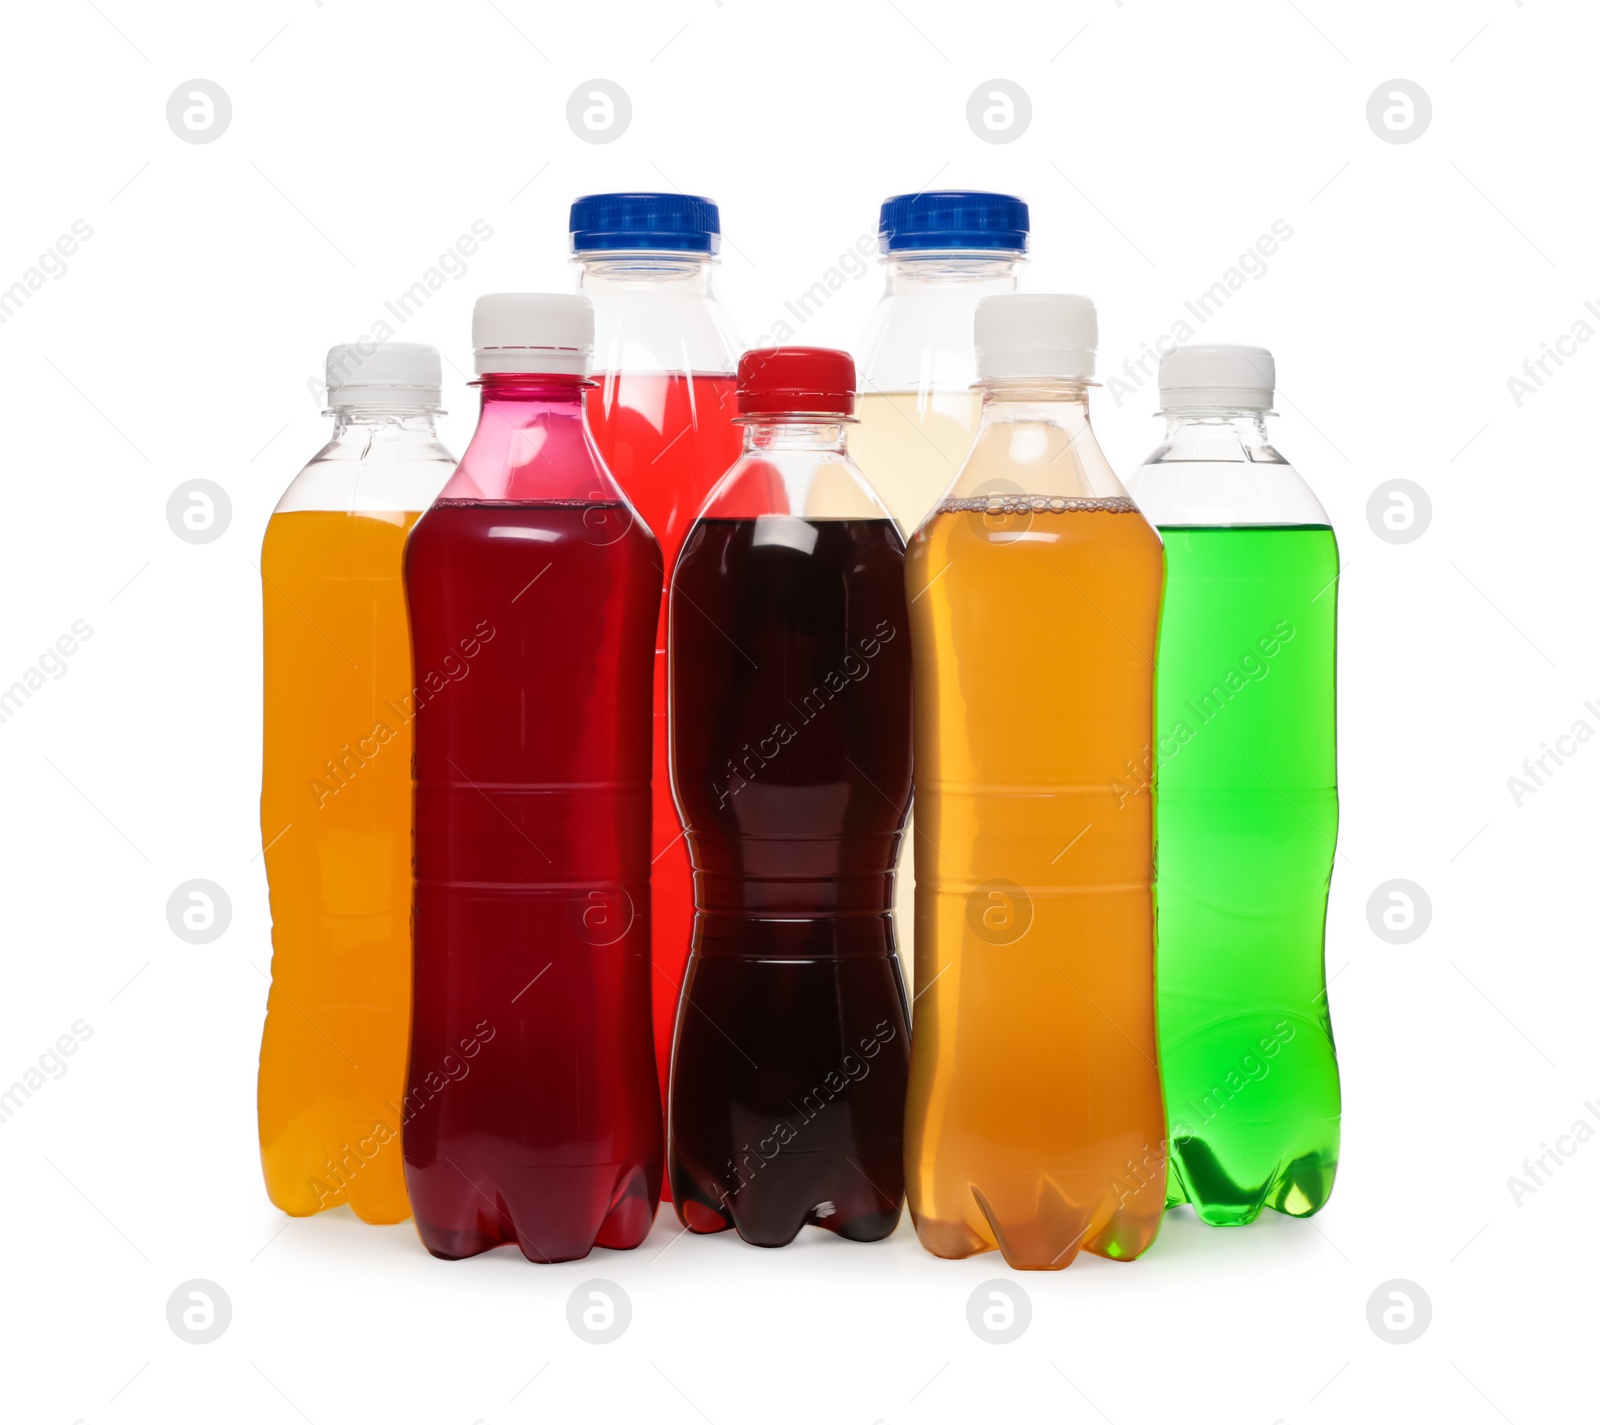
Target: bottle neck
x,y
992,271
797,466
1222,433
523,399
920,336
387,420
681,273
794,433
656,312
1053,401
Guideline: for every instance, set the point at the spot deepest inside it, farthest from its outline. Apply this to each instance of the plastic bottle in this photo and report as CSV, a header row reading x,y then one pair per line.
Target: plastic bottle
x,y
336,788
1247,809
791,763
662,414
1034,1118
532,1113
944,251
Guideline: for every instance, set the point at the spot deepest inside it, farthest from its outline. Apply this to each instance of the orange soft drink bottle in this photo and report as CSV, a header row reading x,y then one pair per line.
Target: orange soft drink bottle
x,y
336,788
1034,1116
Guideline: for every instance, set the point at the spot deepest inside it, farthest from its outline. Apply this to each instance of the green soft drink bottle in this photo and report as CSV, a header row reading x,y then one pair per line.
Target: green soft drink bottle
x,y
1247,806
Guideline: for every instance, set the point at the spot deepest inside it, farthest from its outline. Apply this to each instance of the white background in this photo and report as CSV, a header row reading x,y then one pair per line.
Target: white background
x,y
1165,138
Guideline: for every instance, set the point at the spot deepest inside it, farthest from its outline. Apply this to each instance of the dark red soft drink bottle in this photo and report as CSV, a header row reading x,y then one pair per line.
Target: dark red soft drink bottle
x,y
790,659
532,1112
662,413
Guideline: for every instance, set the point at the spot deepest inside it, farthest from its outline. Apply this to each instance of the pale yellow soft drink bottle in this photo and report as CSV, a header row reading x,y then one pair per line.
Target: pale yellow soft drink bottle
x,y
944,251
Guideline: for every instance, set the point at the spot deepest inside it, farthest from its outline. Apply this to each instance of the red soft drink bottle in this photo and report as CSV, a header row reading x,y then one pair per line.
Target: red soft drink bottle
x,y
662,413
532,1113
791,763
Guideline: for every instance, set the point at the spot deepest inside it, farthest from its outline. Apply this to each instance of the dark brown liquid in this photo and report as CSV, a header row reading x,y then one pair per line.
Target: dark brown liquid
x,y
791,687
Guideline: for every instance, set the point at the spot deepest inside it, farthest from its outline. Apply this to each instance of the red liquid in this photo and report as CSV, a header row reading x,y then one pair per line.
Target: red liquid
x,y
667,439
532,1111
792,739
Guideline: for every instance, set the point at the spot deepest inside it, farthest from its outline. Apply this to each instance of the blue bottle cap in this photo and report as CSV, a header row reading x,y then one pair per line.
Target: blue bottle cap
x,y
953,218
645,222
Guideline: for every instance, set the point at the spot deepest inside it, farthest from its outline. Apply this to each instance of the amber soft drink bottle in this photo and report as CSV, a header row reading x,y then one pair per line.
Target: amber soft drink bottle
x,y
336,788
791,761
1034,1118
532,1113
662,414
944,252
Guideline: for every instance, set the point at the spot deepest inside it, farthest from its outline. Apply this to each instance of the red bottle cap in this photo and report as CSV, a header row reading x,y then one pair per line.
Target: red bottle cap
x,y
796,380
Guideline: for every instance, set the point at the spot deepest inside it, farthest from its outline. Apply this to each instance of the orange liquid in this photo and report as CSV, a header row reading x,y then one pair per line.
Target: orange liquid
x,y
1034,1118
336,822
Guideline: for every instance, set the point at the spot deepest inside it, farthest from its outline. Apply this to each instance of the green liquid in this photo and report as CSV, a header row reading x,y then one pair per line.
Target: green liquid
x,y
1247,811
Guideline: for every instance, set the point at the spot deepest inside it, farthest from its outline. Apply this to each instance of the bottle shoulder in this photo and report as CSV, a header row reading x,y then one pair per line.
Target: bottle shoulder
x,y
1224,492
373,472
661,331
921,340
805,484
919,337
1044,453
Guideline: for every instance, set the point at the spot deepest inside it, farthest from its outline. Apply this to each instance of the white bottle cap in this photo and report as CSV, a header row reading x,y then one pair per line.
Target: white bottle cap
x,y
533,332
1212,377
1022,334
390,373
